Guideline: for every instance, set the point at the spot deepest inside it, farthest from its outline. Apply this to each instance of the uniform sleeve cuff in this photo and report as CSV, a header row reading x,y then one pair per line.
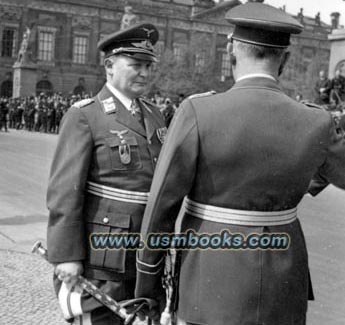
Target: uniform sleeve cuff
x,y
148,268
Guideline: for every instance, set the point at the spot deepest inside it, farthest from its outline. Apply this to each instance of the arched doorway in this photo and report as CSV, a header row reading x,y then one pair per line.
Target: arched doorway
x,y
340,66
6,88
44,86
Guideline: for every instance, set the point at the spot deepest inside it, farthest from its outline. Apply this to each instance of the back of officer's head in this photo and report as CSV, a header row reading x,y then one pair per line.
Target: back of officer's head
x,y
261,35
258,52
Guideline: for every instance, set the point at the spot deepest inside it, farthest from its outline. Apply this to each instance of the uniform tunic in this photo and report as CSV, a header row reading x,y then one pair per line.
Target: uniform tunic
x,y
250,148
88,151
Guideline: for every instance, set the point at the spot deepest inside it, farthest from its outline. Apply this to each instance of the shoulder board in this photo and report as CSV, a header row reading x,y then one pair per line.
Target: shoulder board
x,y
82,103
313,105
209,93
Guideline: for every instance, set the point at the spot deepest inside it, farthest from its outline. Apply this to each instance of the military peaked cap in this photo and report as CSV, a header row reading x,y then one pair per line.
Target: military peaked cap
x,y
261,24
136,41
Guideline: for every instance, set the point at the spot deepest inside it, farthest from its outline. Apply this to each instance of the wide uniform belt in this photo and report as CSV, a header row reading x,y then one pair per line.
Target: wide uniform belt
x,y
116,194
240,217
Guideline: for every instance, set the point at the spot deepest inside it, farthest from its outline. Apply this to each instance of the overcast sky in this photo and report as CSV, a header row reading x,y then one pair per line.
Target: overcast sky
x,y
312,7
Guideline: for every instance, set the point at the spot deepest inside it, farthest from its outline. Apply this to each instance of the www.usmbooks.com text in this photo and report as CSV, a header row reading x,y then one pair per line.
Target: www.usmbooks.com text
x,y
224,240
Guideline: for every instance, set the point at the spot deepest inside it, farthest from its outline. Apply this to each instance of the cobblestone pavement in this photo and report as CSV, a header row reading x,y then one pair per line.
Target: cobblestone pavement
x,y
26,291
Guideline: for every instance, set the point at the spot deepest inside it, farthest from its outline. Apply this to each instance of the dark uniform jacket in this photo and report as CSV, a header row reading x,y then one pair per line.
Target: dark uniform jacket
x,y
250,148
338,89
323,97
88,151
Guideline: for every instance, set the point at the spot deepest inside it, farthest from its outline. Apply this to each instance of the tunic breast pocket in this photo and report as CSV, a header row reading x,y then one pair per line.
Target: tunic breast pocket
x,y
124,153
99,229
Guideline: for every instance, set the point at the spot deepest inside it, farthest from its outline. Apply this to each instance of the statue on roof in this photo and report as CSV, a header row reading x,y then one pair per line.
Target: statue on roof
x,y
129,18
300,15
318,19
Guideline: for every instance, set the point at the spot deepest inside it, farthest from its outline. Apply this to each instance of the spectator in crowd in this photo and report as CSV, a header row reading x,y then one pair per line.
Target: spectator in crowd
x,y
4,108
338,87
51,115
58,117
11,113
31,114
168,111
44,119
322,89
158,99
80,89
19,116
26,116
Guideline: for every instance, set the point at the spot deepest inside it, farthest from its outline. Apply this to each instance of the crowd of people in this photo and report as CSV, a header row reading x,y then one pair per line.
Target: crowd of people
x,y
330,93
43,113
166,106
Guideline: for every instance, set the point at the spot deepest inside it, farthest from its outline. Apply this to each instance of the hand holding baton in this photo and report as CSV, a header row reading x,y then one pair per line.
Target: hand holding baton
x,y
89,287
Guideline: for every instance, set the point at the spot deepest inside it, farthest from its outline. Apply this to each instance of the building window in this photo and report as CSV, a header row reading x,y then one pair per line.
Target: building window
x,y
178,50
180,42
9,41
80,49
200,61
46,44
225,67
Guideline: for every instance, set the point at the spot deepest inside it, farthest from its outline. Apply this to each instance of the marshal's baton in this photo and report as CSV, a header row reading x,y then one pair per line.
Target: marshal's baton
x,y
89,287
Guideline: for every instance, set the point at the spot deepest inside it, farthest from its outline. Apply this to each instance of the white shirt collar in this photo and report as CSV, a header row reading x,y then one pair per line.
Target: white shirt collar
x,y
256,75
121,97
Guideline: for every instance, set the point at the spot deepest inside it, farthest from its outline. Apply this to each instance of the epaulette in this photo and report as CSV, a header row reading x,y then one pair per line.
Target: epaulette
x,y
82,103
313,105
209,93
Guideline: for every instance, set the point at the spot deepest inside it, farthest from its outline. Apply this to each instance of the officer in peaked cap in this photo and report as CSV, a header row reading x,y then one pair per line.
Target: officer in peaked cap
x,y
262,25
136,42
244,159
101,176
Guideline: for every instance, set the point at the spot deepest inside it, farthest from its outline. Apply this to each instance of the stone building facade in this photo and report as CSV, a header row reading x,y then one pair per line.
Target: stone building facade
x,y
60,39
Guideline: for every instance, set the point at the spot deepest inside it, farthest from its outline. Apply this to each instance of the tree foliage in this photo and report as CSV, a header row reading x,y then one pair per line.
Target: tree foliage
x,y
194,71
302,71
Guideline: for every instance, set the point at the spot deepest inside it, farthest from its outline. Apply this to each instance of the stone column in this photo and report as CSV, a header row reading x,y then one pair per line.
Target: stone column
x,y
24,79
